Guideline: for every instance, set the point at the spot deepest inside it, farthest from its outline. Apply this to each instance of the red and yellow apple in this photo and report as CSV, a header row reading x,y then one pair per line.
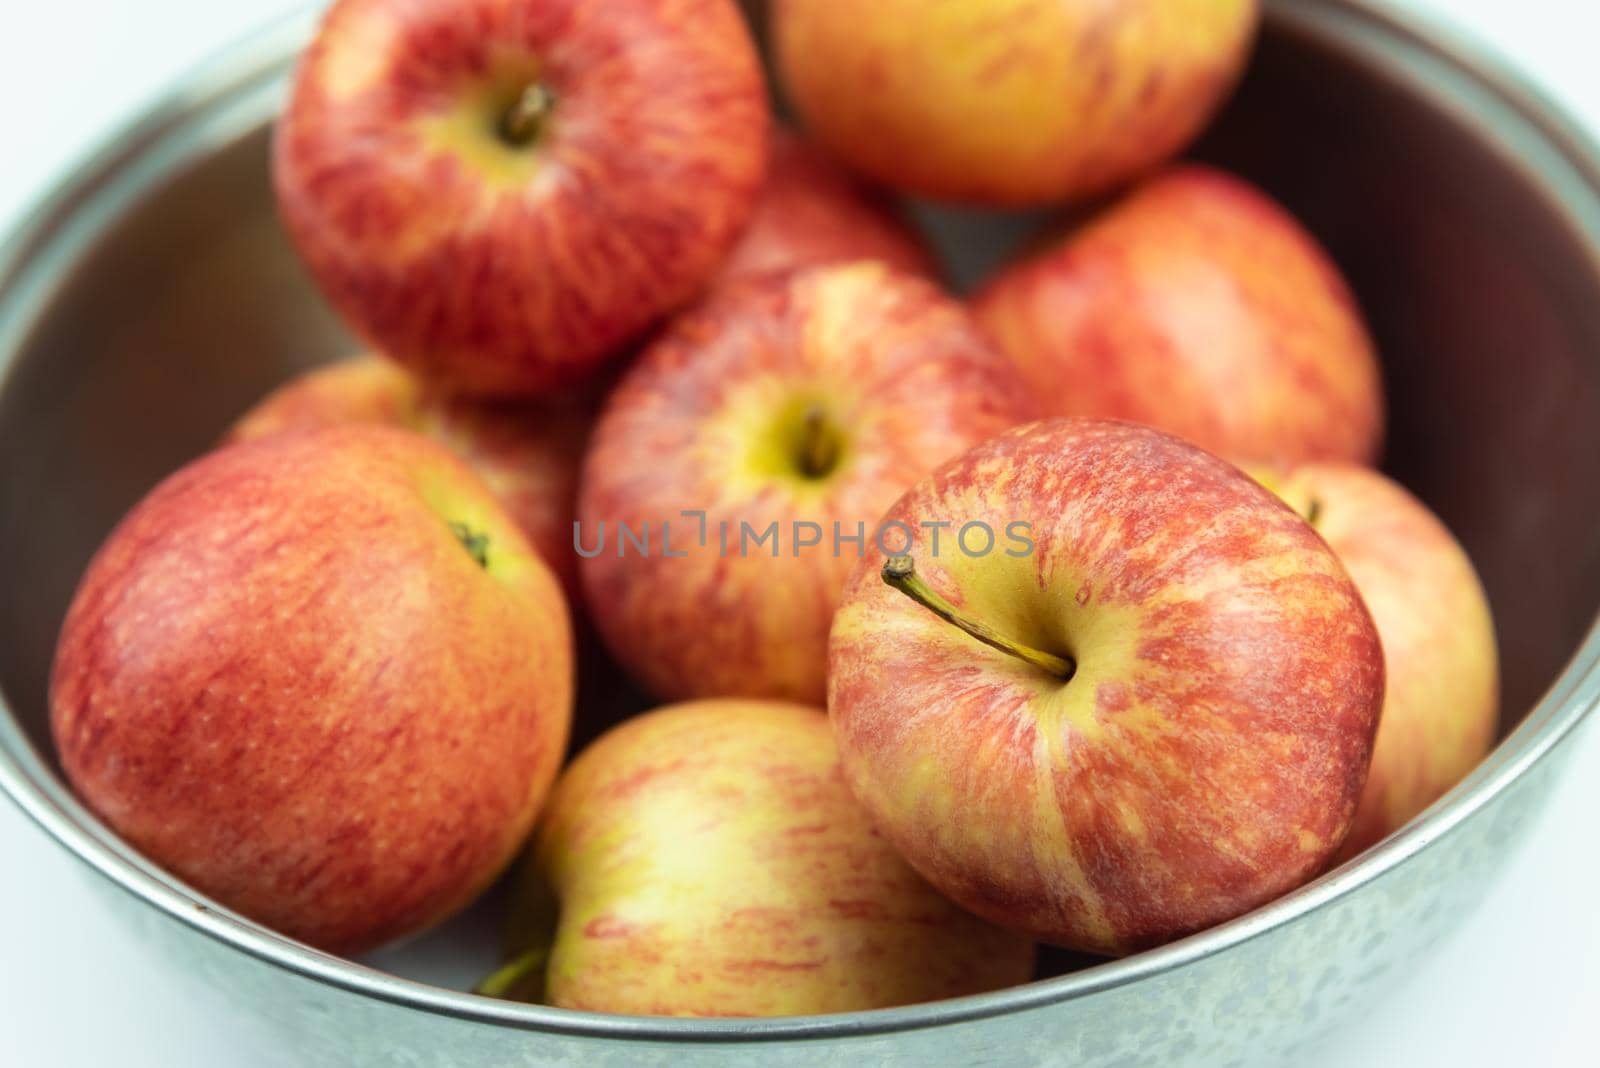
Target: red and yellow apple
x,y
1148,711
763,428
707,859
1009,101
527,452
811,212
502,193
1201,307
1442,702
320,677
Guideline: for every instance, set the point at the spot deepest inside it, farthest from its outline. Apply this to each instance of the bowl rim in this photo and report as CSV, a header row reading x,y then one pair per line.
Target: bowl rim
x,y
98,187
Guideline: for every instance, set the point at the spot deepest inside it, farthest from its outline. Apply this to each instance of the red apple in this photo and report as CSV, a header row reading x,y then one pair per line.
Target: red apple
x,y
528,453
1442,702
1150,710
811,212
1199,306
501,193
707,859
322,678
758,423
1009,101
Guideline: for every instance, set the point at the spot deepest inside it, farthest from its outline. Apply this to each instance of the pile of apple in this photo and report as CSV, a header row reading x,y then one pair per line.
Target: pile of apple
x,y
979,633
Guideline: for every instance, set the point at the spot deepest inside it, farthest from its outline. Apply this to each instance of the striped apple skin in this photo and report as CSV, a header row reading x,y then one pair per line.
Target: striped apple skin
x,y
1198,305
709,860
1206,757
896,366
505,269
284,680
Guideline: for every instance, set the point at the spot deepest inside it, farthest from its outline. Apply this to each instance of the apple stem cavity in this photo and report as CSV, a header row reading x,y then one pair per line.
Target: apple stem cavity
x,y
474,541
525,118
900,571
819,444
512,979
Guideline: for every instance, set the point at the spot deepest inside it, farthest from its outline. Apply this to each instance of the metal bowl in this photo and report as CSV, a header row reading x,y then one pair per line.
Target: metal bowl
x,y
153,297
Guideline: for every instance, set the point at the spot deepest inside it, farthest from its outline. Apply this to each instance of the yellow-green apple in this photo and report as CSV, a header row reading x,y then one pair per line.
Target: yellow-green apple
x,y
812,212
501,193
1443,695
707,859
322,678
747,444
1009,101
1199,306
1150,711
527,452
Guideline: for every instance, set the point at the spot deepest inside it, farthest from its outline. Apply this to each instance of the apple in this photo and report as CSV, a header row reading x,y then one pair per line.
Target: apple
x,y
1441,706
1199,306
320,677
1147,711
357,389
707,859
502,193
1009,102
527,452
753,446
811,212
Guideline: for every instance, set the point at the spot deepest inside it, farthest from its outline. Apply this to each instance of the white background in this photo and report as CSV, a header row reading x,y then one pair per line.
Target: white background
x,y
1520,983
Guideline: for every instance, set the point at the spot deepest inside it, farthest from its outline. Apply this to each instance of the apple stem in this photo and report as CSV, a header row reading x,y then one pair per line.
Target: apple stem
x,y
901,572
1314,510
475,542
819,448
513,973
527,114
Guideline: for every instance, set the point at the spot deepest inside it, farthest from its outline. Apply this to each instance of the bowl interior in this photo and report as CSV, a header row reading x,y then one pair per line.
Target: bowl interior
x,y
172,310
